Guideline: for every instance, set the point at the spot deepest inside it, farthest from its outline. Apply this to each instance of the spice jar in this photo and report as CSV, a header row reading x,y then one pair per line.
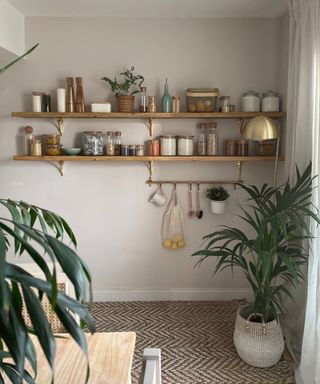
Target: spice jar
x,y
270,102
202,143
143,107
36,148
36,101
53,150
212,140
117,144
152,107
250,102
124,150
92,143
139,150
242,147
52,139
132,150
230,147
153,147
185,145
110,145
224,104
27,140
176,104
168,145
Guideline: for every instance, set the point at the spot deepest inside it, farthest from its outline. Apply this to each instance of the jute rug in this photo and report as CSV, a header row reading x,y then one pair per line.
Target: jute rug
x,y
196,341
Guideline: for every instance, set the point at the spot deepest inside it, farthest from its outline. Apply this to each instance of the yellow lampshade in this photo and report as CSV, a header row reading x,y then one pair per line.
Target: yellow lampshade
x,y
261,128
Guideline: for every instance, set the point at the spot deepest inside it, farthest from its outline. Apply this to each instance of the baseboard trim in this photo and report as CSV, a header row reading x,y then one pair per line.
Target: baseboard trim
x,y
174,295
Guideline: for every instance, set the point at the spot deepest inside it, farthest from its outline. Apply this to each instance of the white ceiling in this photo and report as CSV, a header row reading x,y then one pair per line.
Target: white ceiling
x,y
152,8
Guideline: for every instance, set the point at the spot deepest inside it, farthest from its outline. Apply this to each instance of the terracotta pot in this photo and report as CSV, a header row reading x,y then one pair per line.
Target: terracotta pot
x,y
125,103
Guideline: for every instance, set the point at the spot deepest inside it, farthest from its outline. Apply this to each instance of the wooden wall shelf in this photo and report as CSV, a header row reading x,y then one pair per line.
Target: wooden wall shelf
x,y
150,158
139,115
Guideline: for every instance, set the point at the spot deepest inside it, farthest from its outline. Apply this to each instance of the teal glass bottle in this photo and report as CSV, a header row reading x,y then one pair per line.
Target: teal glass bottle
x,y
166,99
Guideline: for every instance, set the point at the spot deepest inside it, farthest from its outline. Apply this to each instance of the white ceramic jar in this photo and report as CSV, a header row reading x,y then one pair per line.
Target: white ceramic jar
x,y
250,102
168,145
185,145
36,102
270,102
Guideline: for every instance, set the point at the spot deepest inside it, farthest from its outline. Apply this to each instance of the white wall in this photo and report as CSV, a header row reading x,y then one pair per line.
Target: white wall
x,y
107,203
11,28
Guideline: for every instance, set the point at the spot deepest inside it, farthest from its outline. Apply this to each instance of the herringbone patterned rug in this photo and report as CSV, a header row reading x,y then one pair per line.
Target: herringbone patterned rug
x,y
196,341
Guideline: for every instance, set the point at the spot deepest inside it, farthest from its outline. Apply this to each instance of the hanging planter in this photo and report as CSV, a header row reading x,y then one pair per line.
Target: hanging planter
x,y
218,197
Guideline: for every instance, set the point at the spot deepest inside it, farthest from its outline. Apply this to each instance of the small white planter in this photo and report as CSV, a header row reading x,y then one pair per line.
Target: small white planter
x,y
217,207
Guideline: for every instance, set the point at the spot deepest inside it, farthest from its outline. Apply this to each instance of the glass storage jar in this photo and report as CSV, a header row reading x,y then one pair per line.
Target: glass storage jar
x,y
185,145
117,144
53,139
225,104
92,143
110,144
230,147
270,102
168,145
250,102
212,140
53,150
202,99
202,140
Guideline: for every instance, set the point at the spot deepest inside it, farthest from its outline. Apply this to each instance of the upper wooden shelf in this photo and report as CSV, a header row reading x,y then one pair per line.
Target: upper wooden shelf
x,y
139,115
149,158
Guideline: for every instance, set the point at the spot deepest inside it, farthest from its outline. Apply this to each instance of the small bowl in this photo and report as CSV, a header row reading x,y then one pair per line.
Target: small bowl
x,y
72,151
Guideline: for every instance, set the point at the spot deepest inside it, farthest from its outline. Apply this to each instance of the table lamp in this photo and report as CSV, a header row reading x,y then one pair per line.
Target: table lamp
x,y
262,128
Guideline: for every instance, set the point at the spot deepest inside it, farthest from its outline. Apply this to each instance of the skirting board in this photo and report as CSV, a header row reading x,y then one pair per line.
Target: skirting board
x,y
174,295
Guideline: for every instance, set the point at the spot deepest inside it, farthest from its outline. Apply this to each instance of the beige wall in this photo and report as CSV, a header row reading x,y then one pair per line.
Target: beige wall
x,y
107,204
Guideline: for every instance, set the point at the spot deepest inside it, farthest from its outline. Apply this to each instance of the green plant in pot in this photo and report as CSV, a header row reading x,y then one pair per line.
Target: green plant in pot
x,y
218,197
39,233
271,259
125,89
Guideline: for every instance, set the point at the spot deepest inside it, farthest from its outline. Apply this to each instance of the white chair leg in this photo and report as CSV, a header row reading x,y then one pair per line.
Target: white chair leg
x,y
152,366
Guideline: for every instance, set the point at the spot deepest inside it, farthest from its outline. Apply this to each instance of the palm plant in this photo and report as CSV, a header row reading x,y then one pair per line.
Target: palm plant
x,y
17,59
272,258
39,233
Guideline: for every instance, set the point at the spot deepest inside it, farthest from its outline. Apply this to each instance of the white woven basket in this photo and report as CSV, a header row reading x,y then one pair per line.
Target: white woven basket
x,y
258,344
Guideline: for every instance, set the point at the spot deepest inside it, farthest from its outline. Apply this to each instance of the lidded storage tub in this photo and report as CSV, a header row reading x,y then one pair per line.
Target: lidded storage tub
x,y
185,145
202,99
168,145
270,102
250,102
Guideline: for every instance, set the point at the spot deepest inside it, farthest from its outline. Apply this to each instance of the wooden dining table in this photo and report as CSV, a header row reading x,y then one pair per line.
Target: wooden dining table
x,y
110,358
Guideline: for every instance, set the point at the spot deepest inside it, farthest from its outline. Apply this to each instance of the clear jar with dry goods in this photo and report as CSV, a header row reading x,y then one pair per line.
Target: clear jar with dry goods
x,y
212,140
168,145
110,144
27,140
52,139
225,104
202,99
117,144
53,150
185,145
202,140
92,143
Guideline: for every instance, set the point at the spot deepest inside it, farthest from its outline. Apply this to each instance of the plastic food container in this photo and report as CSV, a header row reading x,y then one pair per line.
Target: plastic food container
x,y
270,102
185,145
168,145
250,102
52,139
202,99
54,150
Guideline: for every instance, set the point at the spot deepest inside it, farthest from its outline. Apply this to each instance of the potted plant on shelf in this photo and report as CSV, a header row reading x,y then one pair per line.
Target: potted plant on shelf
x,y
125,89
218,197
271,260
39,233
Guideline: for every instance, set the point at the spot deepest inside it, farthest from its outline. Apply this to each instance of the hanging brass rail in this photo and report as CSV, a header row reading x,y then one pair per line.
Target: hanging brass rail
x,y
214,182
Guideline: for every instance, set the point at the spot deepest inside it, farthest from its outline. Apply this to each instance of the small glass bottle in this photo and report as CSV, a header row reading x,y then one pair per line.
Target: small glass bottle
x,y
152,106
202,142
166,99
110,147
143,107
212,140
27,140
225,104
117,144
176,104
124,150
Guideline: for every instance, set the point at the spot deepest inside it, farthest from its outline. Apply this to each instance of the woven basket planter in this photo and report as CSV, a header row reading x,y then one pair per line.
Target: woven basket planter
x,y
258,344
125,103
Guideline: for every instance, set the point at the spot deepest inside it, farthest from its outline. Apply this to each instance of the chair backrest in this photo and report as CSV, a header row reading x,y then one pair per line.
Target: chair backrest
x,y
151,367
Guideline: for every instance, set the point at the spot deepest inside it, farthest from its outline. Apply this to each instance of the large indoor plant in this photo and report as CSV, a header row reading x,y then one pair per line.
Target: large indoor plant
x,y
26,228
125,89
273,255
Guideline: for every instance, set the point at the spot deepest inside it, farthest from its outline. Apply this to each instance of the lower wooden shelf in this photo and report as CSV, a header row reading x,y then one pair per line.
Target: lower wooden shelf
x,y
149,158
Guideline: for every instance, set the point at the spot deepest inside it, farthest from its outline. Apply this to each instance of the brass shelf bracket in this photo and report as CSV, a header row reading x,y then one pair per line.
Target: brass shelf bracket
x,y
60,167
150,165
60,124
151,125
